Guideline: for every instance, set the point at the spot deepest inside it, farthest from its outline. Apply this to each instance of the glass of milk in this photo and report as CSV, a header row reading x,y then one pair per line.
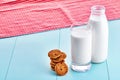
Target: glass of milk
x,y
81,44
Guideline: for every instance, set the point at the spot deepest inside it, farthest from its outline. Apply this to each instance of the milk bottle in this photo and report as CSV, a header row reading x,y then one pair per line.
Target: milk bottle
x,y
99,25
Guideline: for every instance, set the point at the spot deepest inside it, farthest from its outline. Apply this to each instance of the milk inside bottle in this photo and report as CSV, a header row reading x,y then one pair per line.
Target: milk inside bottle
x,y
99,25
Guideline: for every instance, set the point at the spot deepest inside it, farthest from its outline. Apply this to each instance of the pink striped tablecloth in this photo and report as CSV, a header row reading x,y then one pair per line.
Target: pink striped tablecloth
x,y
18,17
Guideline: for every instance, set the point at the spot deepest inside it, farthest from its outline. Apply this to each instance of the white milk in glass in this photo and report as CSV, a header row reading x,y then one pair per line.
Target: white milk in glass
x,y
81,49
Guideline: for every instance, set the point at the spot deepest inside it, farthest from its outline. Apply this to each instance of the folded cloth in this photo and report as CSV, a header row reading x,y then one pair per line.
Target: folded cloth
x,y
30,16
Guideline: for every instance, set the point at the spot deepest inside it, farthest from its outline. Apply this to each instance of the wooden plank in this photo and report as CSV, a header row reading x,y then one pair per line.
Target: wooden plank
x,y
97,72
114,50
30,60
6,50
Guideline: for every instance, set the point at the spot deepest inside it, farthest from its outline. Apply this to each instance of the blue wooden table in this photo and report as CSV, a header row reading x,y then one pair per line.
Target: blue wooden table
x,y
26,57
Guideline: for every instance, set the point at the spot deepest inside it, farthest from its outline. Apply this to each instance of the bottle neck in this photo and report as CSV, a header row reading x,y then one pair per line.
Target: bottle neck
x,y
98,10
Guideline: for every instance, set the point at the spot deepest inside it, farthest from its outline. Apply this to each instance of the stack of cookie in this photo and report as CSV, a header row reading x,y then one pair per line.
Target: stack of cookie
x,y
58,62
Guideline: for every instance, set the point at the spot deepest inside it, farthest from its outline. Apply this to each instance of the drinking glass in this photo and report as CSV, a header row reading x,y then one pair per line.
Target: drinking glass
x,y
81,44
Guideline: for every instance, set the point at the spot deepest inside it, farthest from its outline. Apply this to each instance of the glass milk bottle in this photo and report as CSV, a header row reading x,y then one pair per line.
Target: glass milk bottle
x,y
81,44
99,26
